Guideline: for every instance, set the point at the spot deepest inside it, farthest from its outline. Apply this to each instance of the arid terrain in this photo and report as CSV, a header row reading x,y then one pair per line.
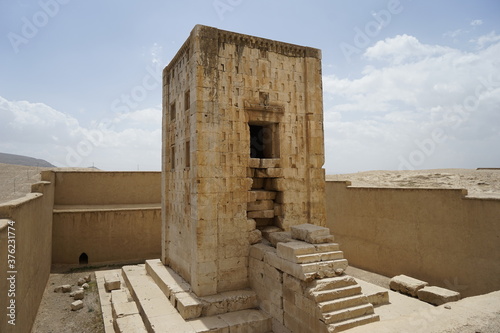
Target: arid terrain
x,y
478,183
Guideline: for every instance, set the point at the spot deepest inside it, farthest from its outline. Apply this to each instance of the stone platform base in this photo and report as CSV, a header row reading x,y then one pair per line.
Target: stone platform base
x,y
153,298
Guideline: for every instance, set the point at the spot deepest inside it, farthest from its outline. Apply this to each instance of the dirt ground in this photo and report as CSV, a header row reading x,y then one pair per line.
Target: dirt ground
x,y
479,183
55,315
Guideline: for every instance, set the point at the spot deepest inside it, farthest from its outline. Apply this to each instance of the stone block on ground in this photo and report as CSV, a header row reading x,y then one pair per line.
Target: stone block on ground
x,y
406,285
81,281
76,305
66,288
112,282
79,294
437,295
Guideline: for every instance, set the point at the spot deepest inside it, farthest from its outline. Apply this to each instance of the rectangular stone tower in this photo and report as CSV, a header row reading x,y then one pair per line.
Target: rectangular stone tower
x,y
242,150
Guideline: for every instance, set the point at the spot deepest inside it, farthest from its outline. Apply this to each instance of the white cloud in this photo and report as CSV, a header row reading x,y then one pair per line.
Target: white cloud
x,y
393,109
476,22
486,40
119,143
403,48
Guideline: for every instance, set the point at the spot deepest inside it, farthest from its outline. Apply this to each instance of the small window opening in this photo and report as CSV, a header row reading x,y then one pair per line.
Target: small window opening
x,y
188,154
172,111
83,259
187,100
263,141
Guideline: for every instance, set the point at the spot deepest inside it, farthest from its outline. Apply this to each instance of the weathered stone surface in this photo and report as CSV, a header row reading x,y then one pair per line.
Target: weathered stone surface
x,y
279,237
88,277
66,288
119,296
189,307
310,233
85,286
112,282
261,214
406,285
223,132
76,305
81,281
254,236
78,294
291,250
437,295
132,323
124,309
260,205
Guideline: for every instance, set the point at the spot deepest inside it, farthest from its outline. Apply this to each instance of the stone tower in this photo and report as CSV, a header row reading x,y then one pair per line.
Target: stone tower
x,y
242,151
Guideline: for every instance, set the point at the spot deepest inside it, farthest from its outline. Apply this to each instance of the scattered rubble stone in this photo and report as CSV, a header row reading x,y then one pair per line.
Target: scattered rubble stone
x,y
85,286
81,281
79,294
66,288
88,277
76,305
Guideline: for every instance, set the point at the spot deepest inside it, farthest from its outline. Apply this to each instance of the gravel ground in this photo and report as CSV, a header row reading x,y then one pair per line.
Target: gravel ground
x,y
55,315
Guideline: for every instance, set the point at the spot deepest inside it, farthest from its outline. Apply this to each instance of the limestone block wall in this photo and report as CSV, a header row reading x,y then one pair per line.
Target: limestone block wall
x,y
31,237
222,93
436,235
106,217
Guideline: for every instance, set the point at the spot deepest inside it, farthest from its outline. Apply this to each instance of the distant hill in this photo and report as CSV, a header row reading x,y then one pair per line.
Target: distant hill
x,y
24,160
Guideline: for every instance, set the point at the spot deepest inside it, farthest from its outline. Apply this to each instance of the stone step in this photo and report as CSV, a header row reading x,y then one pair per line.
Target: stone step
x,y
264,195
349,313
132,323
342,303
331,283
189,305
323,266
351,323
155,308
175,288
238,321
329,295
326,256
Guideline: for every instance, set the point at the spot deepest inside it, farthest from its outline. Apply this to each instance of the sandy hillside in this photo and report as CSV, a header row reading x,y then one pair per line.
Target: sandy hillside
x,y
479,183
16,180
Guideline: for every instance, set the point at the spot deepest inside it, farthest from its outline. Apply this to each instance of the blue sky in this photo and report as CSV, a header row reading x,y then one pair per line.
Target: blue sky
x,y
407,84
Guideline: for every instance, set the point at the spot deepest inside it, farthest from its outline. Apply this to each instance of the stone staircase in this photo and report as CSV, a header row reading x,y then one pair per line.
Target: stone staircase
x,y
153,298
315,295
340,303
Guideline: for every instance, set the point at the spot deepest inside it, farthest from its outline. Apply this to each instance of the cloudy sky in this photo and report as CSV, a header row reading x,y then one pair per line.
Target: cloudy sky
x,y
407,84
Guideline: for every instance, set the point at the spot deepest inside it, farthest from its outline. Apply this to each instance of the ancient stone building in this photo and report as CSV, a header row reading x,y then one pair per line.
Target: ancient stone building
x,y
242,151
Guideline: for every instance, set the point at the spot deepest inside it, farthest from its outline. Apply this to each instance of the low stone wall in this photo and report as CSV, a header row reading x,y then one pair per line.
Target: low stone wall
x,y
25,235
437,235
106,235
107,188
106,217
